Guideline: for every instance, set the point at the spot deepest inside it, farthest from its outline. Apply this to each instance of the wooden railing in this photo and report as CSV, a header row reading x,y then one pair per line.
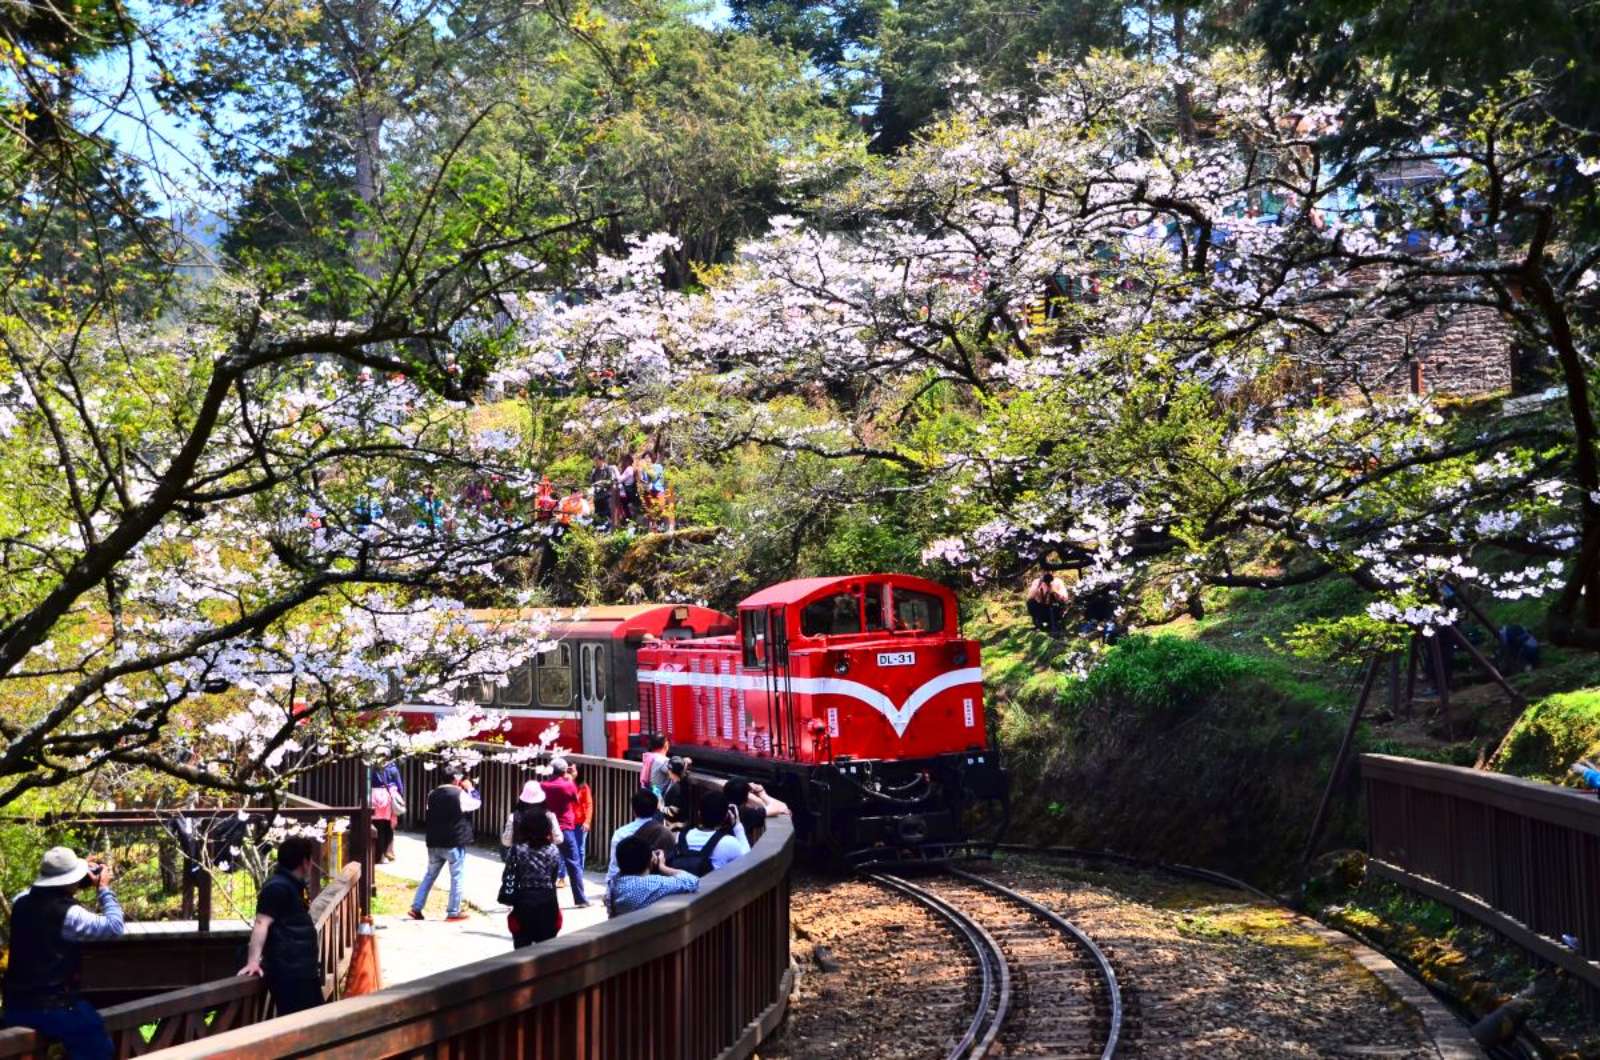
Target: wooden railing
x,y
692,976
499,783
215,1008
1519,856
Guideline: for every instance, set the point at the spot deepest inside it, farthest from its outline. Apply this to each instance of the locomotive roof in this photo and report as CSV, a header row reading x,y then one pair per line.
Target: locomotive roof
x,y
801,590
613,620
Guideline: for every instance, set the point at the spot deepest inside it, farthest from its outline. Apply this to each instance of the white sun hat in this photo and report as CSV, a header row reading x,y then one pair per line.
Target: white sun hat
x,y
61,867
531,792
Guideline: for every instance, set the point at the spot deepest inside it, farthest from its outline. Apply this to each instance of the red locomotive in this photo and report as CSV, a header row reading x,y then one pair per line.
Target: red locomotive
x,y
855,699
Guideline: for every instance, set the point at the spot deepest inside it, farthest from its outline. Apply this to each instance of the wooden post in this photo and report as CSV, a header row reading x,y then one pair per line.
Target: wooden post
x,y
1466,601
1411,673
1488,668
1318,822
205,901
1441,677
1394,684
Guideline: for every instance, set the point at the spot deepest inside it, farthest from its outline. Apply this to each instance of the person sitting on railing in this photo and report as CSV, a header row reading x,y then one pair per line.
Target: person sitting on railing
x,y
283,940
644,877
653,766
1588,771
755,806
646,824
719,839
531,797
528,883
48,928
675,799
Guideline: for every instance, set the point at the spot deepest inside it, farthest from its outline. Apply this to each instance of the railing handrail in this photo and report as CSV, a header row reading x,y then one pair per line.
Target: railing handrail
x,y
562,966
327,901
192,1000
1566,807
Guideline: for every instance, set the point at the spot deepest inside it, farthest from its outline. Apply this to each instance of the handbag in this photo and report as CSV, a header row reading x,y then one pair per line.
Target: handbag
x,y
508,885
398,801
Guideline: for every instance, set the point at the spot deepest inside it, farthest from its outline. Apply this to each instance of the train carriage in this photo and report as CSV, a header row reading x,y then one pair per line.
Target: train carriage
x,y
856,699
585,682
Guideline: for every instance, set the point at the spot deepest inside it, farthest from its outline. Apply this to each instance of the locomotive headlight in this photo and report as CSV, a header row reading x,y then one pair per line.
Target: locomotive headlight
x,y
958,654
841,665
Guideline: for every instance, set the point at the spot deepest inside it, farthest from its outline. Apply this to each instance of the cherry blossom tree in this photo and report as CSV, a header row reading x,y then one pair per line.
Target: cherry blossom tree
x,y
1096,338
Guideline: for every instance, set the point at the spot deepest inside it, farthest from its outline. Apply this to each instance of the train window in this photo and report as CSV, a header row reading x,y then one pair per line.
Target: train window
x,y
518,690
753,635
555,676
918,611
482,691
839,613
586,671
877,599
599,664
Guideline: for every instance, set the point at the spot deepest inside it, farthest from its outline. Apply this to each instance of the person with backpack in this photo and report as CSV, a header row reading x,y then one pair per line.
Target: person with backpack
x,y
644,877
719,839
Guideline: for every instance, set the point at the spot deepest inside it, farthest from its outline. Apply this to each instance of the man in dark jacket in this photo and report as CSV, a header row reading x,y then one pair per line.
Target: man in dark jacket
x,y
449,832
47,931
283,940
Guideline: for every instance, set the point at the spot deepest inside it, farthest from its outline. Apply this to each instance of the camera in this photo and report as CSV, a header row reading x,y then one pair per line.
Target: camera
x,y
96,870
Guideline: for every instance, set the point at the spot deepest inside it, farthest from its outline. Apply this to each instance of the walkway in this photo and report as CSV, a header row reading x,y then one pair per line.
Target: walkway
x,y
411,949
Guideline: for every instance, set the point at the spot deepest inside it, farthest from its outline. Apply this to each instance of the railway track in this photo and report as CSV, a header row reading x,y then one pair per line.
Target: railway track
x,y
1044,989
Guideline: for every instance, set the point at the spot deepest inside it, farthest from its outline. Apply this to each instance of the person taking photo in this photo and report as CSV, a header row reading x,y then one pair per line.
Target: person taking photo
x,y
48,929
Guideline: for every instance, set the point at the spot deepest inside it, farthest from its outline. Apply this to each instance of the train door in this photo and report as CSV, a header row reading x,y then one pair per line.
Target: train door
x,y
592,696
780,695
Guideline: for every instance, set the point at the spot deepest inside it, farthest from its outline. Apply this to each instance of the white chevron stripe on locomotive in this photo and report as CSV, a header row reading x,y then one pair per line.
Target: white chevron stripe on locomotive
x,y
899,718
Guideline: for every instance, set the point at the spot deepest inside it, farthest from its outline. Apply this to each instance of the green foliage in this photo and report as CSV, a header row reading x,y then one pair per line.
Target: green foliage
x,y
1349,638
1153,674
1551,735
1168,748
580,565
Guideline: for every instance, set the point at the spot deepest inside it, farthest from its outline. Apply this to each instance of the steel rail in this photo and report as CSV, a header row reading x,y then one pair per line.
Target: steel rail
x,y
1108,974
995,990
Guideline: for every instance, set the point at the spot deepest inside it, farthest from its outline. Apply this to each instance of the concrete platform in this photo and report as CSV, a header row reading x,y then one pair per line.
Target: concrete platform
x,y
411,949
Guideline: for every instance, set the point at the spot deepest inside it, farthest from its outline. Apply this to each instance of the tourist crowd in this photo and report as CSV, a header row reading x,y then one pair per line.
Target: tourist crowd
x,y
628,492
662,851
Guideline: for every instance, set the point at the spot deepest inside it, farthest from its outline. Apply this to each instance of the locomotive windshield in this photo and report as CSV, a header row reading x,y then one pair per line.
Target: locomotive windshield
x,y
832,615
915,611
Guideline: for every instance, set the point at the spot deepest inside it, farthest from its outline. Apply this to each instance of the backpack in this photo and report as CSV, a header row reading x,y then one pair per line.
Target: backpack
x,y
696,862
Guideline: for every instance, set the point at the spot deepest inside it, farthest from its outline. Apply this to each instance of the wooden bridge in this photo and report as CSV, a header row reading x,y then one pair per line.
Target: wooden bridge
x,y
700,975
1520,857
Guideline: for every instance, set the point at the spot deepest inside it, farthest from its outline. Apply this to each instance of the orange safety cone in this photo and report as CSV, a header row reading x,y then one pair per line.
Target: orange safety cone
x,y
363,977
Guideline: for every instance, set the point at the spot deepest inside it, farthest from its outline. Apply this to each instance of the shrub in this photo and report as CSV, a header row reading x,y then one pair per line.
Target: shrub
x,y
1551,734
1157,674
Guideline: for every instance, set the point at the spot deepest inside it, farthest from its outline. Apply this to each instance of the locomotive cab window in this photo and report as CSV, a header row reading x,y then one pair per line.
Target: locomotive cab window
x,y
918,612
518,691
752,637
555,676
832,615
877,606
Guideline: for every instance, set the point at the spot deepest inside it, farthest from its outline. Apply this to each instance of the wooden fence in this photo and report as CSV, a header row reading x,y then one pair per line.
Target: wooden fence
x,y
215,1008
344,783
690,978
1519,856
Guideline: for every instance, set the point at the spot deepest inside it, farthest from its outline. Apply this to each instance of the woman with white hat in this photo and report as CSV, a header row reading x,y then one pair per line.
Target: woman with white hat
x,y
532,795
48,928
